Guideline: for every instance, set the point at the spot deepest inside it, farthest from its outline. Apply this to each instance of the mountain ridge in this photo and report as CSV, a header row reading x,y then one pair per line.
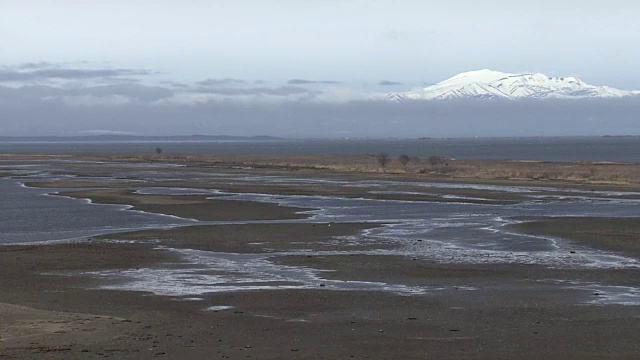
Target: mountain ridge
x,y
491,84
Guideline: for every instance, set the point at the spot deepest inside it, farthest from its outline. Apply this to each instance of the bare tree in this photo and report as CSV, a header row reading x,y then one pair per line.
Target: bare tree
x,y
158,150
383,159
404,159
436,160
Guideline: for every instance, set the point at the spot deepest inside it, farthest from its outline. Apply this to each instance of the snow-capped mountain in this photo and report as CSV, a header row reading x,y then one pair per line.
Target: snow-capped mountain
x,y
488,84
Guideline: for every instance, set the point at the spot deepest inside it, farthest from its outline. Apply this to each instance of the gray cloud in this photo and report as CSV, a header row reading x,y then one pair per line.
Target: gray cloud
x,y
9,75
130,90
217,82
310,82
140,92
35,65
33,94
25,95
389,83
175,84
275,91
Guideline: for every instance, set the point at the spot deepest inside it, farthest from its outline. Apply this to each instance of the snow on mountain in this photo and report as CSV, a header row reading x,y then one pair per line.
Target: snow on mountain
x,y
488,84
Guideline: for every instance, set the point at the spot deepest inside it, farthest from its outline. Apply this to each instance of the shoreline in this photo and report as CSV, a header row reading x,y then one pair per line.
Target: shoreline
x,y
597,175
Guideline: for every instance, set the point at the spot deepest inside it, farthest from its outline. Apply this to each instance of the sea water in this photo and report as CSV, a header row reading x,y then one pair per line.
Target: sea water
x,y
623,149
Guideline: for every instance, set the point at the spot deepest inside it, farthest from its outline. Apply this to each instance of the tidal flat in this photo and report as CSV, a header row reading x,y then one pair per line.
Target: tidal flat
x,y
163,258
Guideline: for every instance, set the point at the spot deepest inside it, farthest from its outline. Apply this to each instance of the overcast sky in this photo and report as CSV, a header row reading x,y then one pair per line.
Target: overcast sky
x,y
87,57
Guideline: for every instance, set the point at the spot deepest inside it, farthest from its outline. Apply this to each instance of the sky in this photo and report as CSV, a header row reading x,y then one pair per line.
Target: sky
x,y
65,63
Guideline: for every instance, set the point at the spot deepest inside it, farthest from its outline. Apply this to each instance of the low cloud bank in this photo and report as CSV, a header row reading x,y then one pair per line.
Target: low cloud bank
x,y
23,114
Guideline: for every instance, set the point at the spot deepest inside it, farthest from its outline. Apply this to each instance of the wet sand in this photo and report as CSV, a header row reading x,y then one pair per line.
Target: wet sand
x,y
612,234
244,238
75,321
50,307
191,206
471,196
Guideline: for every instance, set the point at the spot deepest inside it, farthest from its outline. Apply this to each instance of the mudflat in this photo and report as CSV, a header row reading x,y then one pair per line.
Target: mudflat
x,y
67,317
190,206
358,297
615,234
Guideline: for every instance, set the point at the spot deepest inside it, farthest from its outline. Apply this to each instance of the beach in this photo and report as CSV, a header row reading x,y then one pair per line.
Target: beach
x,y
256,259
